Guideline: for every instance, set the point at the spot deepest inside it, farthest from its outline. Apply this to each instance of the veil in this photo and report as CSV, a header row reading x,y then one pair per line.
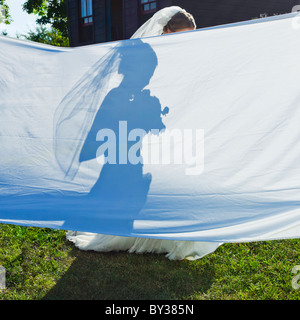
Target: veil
x,y
154,26
75,113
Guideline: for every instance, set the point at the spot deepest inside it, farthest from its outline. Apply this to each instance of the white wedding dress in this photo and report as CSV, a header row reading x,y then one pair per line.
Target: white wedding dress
x,y
174,249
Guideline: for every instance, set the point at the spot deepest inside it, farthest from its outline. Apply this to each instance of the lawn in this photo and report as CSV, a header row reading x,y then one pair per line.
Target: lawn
x,y
41,265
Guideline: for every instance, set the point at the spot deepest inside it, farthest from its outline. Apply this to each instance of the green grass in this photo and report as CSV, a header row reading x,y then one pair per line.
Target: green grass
x,y
41,264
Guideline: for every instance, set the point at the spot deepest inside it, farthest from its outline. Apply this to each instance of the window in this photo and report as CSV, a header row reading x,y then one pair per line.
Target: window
x,y
148,6
86,32
86,11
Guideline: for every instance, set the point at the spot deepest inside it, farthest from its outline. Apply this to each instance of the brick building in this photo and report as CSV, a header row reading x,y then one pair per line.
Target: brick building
x,y
96,21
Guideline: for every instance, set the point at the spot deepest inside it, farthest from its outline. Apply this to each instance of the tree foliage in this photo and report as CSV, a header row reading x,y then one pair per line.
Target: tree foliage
x,y
50,36
51,12
4,13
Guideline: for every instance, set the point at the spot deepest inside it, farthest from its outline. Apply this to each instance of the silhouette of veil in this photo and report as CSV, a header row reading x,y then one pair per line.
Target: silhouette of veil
x,y
96,104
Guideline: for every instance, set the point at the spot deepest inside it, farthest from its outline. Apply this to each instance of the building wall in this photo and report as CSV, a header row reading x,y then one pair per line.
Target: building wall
x,y
206,13
99,25
131,17
73,20
217,12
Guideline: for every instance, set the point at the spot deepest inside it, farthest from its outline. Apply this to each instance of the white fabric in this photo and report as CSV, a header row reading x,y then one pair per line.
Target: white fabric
x,y
238,84
173,249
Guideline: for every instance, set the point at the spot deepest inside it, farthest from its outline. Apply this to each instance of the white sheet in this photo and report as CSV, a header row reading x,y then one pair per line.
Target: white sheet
x,y
233,98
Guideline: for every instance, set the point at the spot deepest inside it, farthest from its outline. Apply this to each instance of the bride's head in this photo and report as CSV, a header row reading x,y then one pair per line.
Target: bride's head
x,y
181,21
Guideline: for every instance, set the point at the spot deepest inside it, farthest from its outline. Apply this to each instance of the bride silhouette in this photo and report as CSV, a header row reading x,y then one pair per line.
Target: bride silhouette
x,y
122,186
96,107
